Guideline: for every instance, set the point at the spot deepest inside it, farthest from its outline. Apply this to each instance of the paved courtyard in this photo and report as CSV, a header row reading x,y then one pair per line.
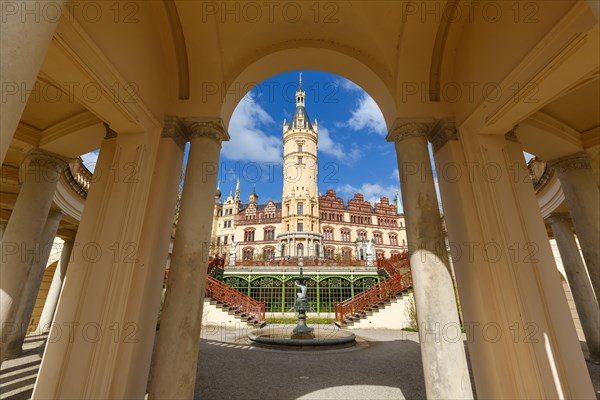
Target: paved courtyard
x,y
386,364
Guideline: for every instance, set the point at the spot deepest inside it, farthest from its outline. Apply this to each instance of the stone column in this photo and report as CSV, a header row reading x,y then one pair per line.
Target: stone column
x,y
582,196
521,337
25,34
55,287
14,344
583,294
444,359
173,374
97,320
21,241
146,290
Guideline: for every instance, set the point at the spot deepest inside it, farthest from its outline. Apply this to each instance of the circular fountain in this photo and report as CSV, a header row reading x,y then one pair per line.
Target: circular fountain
x,y
302,335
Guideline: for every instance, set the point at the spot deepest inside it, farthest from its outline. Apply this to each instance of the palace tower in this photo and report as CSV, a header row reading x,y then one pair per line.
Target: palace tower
x,y
300,229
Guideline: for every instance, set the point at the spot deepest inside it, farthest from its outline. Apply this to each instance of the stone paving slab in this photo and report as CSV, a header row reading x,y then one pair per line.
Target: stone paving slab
x,y
385,365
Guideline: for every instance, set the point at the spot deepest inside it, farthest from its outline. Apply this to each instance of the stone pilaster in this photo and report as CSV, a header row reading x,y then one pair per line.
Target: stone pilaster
x,y
444,360
521,338
582,196
97,321
173,374
583,294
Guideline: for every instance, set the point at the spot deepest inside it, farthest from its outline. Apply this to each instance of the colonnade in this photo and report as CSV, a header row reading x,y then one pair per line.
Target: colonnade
x,y
103,316
516,318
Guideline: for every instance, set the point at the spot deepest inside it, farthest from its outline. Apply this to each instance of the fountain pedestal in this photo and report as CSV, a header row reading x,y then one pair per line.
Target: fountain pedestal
x,y
302,335
301,331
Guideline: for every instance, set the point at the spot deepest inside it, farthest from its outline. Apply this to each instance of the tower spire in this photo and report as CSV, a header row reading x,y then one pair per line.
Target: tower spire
x,y
300,94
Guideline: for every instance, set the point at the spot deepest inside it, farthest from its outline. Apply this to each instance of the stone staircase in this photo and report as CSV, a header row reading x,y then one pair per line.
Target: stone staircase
x,y
377,298
229,315
237,304
389,314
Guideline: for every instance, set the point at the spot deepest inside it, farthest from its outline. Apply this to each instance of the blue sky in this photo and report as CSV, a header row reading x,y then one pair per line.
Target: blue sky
x,y
353,154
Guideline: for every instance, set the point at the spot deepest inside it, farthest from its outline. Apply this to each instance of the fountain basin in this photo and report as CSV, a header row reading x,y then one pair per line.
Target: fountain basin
x,y
321,336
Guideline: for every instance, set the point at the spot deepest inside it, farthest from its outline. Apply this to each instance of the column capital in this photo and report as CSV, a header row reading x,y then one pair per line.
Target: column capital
x,y
405,128
55,214
110,134
181,130
44,159
511,135
207,127
571,162
443,131
68,235
174,128
559,217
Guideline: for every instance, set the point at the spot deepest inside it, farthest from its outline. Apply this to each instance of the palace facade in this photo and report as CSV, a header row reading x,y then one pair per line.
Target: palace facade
x,y
305,223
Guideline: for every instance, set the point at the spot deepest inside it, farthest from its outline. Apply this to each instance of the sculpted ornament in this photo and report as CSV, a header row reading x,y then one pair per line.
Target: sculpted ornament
x,y
571,163
405,128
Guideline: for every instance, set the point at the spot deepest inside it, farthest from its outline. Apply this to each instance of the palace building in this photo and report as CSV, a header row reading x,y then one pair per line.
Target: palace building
x,y
479,83
305,223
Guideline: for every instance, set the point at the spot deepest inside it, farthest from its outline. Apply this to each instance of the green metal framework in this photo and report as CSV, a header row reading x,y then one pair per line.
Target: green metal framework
x,y
278,292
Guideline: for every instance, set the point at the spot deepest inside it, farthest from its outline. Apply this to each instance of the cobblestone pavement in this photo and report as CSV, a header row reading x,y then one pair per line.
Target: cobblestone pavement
x,y
386,364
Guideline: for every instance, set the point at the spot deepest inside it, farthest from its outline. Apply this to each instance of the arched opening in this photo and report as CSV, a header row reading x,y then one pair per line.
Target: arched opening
x,y
299,250
265,66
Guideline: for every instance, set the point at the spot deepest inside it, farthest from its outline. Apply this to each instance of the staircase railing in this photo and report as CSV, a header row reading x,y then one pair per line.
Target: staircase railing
x,y
236,301
383,291
393,265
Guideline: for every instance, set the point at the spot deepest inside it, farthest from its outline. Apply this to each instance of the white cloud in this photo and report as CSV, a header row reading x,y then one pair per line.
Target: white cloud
x,y
336,149
90,159
395,175
249,141
367,116
371,191
349,85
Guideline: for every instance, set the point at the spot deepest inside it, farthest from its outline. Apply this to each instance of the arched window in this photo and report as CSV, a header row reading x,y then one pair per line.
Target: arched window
x,y
346,253
362,235
329,253
248,253
378,237
269,233
268,253
249,235
393,239
345,234
299,250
